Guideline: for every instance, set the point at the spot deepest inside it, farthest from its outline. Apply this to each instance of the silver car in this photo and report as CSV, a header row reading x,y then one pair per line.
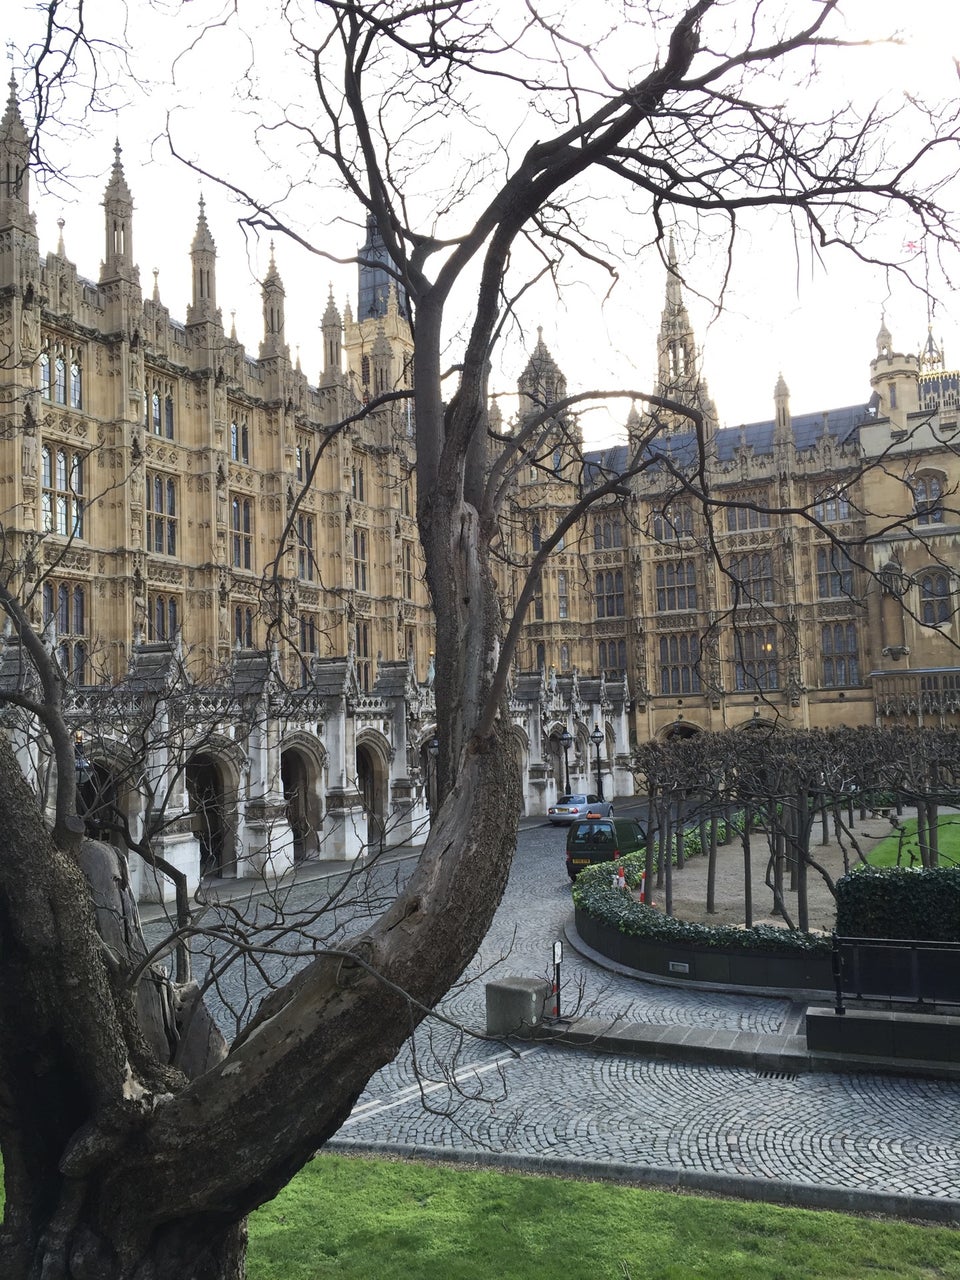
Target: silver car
x,y
577,805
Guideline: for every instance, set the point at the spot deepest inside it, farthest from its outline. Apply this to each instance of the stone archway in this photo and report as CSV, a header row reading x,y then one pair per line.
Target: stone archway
x,y
98,802
212,819
373,782
300,774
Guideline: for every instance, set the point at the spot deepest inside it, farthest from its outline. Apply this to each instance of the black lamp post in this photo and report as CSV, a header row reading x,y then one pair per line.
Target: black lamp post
x,y
433,749
566,740
596,738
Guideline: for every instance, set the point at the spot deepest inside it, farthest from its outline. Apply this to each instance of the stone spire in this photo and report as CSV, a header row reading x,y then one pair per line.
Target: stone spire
x,y
203,253
678,374
542,383
332,328
14,165
118,216
781,401
273,320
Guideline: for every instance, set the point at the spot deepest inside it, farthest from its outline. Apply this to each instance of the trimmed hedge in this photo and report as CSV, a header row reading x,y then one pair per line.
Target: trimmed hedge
x,y
900,902
594,893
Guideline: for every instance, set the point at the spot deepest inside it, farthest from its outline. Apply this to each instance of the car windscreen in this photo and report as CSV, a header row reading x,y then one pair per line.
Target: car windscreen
x,y
592,834
572,800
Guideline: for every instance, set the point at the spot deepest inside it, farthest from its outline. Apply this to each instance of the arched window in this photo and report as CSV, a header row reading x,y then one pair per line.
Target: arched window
x,y
608,589
680,663
673,522
76,383
241,519
60,378
163,617
831,505
752,578
935,601
359,559
676,586
756,659
62,491
834,573
161,515
45,373
839,654
928,491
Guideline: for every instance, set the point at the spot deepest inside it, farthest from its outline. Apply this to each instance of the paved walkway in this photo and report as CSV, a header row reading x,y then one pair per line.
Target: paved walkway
x,y
674,1086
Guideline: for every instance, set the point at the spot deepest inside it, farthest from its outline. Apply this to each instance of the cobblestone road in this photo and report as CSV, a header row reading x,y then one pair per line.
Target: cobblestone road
x,y
452,1091
879,1133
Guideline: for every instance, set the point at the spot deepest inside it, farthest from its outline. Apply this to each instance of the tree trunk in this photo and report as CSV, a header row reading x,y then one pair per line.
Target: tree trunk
x,y
747,868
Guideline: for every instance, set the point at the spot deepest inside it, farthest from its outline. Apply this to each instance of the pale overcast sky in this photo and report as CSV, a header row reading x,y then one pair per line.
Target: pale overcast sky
x,y
815,322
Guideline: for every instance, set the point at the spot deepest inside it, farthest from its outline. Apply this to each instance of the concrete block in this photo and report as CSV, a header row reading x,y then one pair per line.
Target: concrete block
x,y
516,1005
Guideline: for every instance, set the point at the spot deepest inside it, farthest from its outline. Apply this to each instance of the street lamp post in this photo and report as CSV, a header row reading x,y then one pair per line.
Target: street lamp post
x,y
566,739
596,738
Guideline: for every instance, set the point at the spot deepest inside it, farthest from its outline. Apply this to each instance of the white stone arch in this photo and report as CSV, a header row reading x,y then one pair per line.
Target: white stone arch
x,y
373,782
303,769
214,772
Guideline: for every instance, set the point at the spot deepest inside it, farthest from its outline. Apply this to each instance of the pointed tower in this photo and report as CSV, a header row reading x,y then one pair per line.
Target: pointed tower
x,y
376,278
894,378
381,360
14,167
118,261
781,411
19,247
203,255
273,293
678,374
542,383
332,329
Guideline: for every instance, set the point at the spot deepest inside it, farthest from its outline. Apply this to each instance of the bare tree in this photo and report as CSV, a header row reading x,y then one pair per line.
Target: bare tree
x,y
120,1159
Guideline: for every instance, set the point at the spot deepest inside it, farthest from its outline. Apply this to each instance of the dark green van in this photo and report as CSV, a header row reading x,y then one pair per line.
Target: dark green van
x,y
596,839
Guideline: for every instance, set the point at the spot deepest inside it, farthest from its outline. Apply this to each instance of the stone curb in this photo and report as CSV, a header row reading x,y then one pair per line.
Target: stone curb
x,y
798,1195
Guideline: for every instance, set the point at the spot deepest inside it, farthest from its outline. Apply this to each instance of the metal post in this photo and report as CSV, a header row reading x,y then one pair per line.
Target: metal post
x,y
557,959
596,738
837,979
565,740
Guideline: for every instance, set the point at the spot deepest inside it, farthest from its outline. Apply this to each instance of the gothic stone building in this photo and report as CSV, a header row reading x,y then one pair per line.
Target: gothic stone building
x,y
817,585
234,590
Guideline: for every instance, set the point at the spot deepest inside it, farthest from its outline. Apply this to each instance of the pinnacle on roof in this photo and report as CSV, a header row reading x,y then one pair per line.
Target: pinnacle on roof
x,y
331,316
203,240
273,275
117,188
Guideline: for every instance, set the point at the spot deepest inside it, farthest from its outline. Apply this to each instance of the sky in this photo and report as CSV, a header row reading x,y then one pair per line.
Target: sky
x,y
788,311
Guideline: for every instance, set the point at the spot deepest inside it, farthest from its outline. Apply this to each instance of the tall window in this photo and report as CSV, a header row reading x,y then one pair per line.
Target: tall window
x,y
161,515
408,571
838,654
303,461
305,560
158,407
360,559
538,600
308,643
831,505
608,590
241,523
612,656
740,519
607,533
243,627
680,663
61,374
536,537
363,655
163,617
834,573
752,578
65,614
676,586
673,522
358,483
240,440
564,657
62,491
563,598
928,498
755,665
935,599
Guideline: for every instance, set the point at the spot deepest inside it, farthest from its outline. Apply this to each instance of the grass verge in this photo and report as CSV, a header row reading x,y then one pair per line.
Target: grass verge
x,y
356,1218
902,849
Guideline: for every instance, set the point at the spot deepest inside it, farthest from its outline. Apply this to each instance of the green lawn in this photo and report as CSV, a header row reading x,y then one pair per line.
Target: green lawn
x,y
901,849
360,1219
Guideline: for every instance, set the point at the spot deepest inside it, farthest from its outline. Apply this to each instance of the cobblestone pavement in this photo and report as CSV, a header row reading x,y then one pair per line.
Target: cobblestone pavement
x,y
453,1091
867,1132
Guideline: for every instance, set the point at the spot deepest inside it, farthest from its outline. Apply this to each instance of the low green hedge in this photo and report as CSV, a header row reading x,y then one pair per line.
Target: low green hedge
x,y
900,902
595,893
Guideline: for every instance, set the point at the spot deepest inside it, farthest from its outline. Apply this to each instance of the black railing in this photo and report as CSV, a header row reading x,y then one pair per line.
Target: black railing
x,y
896,969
